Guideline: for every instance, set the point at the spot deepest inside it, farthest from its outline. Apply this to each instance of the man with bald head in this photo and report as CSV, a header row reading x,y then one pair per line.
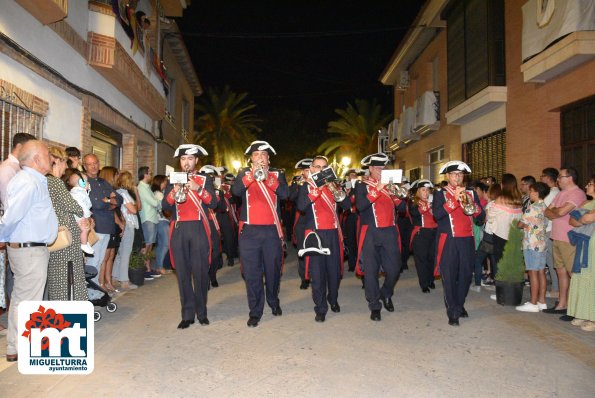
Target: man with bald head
x,y
29,224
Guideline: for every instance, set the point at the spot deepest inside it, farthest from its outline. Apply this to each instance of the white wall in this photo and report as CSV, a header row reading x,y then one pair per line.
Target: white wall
x,y
46,45
78,15
63,121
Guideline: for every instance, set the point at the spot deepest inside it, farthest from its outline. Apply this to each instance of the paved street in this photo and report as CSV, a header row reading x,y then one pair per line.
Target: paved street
x,y
410,353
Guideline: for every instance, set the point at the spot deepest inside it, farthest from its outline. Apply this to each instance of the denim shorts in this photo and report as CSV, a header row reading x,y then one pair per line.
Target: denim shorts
x,y
149,232
534,260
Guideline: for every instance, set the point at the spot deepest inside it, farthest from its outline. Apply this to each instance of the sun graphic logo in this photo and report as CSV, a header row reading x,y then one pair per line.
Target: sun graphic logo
x,y
56,337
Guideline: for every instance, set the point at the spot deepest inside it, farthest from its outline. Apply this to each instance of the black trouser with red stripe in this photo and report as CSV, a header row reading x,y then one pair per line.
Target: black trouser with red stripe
x,y
424,253
228,235
456,257
261,252
351,240
325,271
216,259
190,249
300,234
380,252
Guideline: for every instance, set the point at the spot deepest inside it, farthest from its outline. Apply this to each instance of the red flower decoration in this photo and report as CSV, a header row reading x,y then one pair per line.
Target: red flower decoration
x,y
43,319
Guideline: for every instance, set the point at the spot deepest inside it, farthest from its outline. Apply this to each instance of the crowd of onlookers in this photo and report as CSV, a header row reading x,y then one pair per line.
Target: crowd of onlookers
x,y
557,218
111,218
108,215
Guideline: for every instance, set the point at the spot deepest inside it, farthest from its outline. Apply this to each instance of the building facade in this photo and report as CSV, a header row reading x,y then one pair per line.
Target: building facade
x,y
512,83
89,74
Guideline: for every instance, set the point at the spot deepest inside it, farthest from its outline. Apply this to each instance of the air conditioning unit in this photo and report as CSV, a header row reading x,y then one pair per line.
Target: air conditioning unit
x,y
404,79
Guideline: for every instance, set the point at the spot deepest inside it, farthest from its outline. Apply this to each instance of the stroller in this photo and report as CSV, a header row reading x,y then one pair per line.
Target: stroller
x,y
102,299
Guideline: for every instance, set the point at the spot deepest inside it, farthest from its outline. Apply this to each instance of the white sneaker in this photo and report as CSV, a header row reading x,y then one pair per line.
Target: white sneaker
x,y
528,307
578,322
475,288
493,297
542,306
87,248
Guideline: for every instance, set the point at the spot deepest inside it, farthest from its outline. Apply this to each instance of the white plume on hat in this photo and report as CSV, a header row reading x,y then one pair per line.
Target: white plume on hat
x,y
455,165
190,149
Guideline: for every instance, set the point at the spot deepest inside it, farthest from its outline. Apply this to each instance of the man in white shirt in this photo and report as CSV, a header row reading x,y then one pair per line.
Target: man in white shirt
x,y
549,176
149,216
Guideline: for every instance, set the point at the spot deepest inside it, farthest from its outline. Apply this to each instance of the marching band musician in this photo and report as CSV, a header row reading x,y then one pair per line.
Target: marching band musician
x,y
190,240
299,225
319,209
228,221
423,236
350,220
454,208
379,240
261,237
216,260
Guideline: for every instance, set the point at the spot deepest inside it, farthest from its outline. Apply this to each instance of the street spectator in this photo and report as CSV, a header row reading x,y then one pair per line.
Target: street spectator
x,y
569,198
149,216
125,187
66,209
74,158
8,169
581,298
110,174
27,203
485,251
533,223
549,176
505,210
104,199
158,184
526,183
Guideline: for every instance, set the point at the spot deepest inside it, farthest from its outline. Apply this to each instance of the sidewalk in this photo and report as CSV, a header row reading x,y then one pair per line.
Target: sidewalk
x,y
412,352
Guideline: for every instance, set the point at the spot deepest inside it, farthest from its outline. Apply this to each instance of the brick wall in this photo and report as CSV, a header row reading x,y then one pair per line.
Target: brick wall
x,y
533,110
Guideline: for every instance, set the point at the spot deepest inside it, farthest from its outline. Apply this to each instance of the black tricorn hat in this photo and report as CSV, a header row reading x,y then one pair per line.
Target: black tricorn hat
x,y
376,159
260,146
229,177
421,184
313,246
304,163
455,165
190,149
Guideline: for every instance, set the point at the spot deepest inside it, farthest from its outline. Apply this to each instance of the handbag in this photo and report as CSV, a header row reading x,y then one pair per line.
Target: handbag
x,y
92,238
63,239
487,244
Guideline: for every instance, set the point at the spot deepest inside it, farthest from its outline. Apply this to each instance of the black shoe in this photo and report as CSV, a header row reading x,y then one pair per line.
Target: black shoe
x,y
204,321
425,289
304,285
432,285
453,321
253,322
375,315
553,310
566,318
464,313
335,307
320,317
215,283
185,323
388,304
277,311
351,269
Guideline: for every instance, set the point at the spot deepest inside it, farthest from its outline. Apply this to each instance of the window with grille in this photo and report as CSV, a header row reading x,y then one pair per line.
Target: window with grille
x,y
577,135
486,156
415,174
14,119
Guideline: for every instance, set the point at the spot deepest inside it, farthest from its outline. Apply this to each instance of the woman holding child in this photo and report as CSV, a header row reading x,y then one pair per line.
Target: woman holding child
x,y
66,209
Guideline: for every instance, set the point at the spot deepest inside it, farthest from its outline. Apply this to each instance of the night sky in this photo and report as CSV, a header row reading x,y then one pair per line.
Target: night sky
x,y
297,60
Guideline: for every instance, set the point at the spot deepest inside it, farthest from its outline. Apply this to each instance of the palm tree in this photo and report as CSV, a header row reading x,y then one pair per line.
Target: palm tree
x,y
225,126
357,130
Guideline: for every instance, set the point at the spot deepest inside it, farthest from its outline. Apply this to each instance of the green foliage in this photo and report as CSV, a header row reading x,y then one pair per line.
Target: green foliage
x,y
356,130
137,259
511,267
225,125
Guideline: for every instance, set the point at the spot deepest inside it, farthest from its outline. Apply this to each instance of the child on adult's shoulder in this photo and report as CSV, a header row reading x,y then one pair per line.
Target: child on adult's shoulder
x,y
79,188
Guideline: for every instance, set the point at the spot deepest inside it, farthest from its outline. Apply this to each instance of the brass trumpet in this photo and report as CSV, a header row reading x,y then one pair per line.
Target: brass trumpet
x,y
338,193
396,190
259,173
469,207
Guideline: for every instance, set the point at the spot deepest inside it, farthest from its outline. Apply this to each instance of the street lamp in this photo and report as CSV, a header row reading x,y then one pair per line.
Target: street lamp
x,y
346,161
236,165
